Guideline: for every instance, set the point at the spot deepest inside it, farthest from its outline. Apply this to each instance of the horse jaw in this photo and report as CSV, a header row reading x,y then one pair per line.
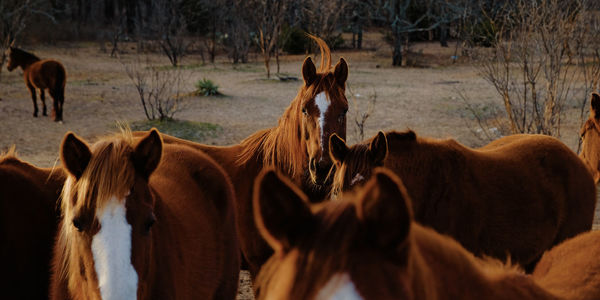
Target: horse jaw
x,y
111,248
339,287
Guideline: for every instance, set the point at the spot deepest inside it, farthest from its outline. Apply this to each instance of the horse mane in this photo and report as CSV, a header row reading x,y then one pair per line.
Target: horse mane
x,y
11,153
23,55
282,146
408,135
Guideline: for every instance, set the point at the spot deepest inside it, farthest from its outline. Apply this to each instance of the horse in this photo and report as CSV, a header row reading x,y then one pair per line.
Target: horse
x,y
28,222
41,74
530,186
143,221
590,138
297,146
367,246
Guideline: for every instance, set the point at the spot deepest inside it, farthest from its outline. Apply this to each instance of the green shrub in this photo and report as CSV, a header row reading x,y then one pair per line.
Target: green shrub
x,y
294,39
207,88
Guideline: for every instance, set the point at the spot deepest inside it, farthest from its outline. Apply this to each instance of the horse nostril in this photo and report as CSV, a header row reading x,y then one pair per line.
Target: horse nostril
x,y
313,164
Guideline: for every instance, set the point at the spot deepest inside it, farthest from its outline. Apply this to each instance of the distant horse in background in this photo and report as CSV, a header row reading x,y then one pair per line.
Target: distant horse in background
x,y
41,74
590,136
297,146
28,222
367,246
143,221
520,195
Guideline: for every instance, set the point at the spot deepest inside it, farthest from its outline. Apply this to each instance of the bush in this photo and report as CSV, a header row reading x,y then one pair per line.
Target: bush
x,y
207,88
294,40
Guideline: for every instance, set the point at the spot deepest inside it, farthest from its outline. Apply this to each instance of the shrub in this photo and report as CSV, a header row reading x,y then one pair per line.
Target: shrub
x,y
207,88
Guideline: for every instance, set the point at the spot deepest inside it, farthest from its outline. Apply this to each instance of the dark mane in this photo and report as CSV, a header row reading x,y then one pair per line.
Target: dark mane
x,y
23,55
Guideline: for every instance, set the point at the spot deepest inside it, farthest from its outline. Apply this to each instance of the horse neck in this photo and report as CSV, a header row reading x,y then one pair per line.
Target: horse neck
x,y
27,62
280,146
441,262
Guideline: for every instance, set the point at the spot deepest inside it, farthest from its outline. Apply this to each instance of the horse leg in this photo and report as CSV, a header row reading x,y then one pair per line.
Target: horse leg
x,y
58,99
43,98
33,98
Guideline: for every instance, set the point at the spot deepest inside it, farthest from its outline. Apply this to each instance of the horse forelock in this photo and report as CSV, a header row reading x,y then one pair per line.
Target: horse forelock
x,y
325,65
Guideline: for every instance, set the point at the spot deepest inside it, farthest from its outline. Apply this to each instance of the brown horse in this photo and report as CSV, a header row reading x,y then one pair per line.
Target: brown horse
x,y
367,246
530,186
28,222
590,136
143,221
41,74
297,146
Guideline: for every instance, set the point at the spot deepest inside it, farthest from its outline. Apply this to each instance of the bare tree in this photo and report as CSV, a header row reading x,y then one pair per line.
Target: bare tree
x,y
159,90
530,65
268,16
168,25
323,17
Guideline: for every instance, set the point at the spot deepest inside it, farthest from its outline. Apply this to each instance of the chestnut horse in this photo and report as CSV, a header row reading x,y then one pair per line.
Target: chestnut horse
x,y
143,221
297,146
367,246
528,186
590,136
41,74
28,222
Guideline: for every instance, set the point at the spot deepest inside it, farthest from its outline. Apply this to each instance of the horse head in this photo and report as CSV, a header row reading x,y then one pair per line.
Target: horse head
x,y
108,216
323,106
371,247
590,137
12,63
354,165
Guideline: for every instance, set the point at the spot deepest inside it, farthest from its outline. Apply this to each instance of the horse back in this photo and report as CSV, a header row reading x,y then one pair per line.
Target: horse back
x,y
195,208
47,74
28,222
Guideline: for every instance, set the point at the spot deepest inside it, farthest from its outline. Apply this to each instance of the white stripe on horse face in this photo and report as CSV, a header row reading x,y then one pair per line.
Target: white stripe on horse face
x,y
339,287
323,105
111,248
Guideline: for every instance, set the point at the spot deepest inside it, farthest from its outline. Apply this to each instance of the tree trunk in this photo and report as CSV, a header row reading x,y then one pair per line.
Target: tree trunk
x,y
277,57
397,55
444,35
360,36
267,58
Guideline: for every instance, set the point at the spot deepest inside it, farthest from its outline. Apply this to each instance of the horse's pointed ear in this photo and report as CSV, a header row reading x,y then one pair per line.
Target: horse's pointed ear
x,y
309,71
337,148
74,154
378,148
281,211
147,153
595,105
341,72
385,209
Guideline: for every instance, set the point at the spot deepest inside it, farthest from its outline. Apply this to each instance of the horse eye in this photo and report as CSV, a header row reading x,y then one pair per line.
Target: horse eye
x,y
77,222
304,110
149,223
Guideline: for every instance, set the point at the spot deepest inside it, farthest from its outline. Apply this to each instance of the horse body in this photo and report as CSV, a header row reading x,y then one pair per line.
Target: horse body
x,y
590,137
380,252
527,186
295,146
41,75
28,222
190,253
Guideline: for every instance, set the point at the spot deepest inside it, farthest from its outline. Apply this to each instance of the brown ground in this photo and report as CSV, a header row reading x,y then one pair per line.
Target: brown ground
x,y
98,94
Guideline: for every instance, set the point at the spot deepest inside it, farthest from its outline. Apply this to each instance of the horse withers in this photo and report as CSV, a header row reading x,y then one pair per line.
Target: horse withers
x,y
41,75
530,186
367,245
144,221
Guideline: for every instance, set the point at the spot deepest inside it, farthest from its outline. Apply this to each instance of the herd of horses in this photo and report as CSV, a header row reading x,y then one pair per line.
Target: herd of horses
x,y
145,215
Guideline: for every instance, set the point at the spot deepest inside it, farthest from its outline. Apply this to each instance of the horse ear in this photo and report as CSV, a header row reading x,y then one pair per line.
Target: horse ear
x,y
378,148
595,105
74,154
147,153
281,211
309,72
385,209
341,72
337,148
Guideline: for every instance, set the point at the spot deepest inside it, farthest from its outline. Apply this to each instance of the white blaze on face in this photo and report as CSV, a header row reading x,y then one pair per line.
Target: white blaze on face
x,y
323,105
111,248
339,287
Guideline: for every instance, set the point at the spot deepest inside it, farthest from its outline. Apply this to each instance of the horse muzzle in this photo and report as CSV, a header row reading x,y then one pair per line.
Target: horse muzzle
x,y
319,171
